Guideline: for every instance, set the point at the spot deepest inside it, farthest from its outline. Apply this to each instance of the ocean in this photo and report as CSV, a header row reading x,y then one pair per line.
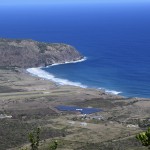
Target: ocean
x,y
114,38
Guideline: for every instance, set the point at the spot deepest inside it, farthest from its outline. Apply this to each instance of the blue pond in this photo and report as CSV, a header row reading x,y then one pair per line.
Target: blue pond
x,y
78,109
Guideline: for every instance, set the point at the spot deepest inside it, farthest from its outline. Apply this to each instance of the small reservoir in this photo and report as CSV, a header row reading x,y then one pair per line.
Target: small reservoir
x,y
78,109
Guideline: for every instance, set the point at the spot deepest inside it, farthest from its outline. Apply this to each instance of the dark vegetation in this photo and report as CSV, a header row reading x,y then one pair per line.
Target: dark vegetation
x,y
122,144
42,47
104,103
34,139
33,114
6,89
13,133
144,138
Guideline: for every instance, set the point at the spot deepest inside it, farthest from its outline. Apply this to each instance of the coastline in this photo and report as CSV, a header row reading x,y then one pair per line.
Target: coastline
x,y
59,81
47,76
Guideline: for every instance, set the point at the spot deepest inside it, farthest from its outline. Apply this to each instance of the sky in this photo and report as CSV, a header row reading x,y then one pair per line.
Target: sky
x,y
22,2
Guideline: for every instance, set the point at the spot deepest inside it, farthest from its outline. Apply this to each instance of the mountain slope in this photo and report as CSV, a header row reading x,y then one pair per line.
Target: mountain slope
x,y
29,53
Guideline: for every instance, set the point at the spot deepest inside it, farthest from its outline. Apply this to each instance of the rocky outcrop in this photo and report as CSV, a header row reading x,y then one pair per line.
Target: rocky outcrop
x,y
29,53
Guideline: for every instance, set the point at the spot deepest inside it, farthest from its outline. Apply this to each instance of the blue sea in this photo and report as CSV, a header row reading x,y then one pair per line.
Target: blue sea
x,y
115,39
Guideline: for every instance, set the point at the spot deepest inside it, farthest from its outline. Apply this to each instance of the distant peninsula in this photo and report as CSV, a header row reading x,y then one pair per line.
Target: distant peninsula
x,y
30,53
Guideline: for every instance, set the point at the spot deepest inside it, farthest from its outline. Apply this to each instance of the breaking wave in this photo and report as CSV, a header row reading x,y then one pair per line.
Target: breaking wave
x,y
113,92
45,75
110,91
71,62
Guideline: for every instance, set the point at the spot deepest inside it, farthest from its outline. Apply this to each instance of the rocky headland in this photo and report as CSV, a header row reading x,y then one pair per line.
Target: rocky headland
x,y
29,53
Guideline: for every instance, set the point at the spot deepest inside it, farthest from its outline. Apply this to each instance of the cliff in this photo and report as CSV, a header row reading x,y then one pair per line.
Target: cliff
x,y
29,53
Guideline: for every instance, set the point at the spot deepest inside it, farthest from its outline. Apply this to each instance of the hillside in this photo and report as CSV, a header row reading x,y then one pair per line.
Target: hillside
x,y
29,53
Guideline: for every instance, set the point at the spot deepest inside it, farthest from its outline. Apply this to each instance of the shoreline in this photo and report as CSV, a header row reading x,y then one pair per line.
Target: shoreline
x,y
59,82
24,71
38,72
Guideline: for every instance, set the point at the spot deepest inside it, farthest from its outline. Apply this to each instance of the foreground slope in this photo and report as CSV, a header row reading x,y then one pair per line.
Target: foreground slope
x,y
31,102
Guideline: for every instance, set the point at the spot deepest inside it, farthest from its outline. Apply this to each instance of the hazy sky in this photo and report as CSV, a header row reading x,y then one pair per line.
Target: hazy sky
x,y
5,2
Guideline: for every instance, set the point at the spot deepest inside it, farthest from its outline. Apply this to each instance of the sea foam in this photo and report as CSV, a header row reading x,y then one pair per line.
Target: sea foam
x,y
45,75
113,92
70,62
110,91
